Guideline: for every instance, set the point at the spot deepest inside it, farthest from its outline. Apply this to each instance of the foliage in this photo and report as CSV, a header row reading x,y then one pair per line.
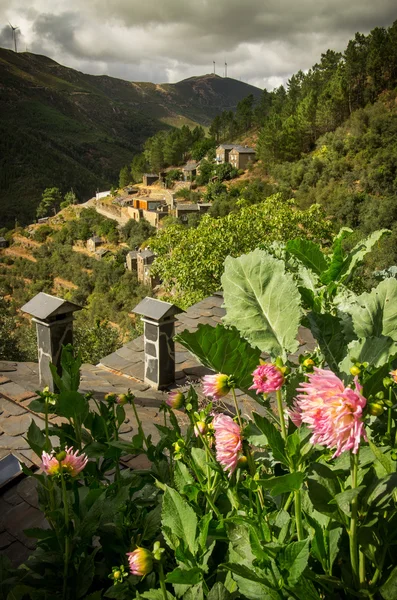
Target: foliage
x,y
190,261
125,176
50,201
136,232
293,518
93,342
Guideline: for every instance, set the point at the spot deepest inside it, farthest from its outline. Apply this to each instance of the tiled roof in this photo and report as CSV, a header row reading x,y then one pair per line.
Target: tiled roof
x,y
243,150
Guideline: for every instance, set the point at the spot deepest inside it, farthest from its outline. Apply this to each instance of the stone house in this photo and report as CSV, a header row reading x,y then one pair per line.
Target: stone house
x,y
241,156
3,242
149,178
140,261
189,171
131,260
183,210
93,243
223,151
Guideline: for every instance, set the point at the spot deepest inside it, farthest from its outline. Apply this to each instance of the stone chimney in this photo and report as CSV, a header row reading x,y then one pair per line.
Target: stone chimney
x,y
54,325
159,330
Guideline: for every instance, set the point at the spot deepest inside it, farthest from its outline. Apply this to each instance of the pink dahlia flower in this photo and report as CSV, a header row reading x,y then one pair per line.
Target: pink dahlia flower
x,y
228,442
72,463
216,386
140,561
175,400
267,378
393,374
332,411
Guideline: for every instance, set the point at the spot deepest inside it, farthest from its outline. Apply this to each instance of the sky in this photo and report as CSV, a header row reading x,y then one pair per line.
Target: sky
x,y
263,41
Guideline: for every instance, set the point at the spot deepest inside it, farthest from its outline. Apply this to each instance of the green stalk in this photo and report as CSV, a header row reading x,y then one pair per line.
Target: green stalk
x,y
237,409
298,514
140,428
281,414
47,441
354,559
67,540
116,437
162,582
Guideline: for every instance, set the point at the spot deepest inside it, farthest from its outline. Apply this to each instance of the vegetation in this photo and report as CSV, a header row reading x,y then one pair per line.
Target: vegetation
x,y
297,501
190,260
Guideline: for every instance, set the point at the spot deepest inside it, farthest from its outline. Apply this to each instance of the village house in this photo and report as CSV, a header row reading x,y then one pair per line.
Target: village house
x,y
93,243
101,252
3,242
223,151
150,178
183,210
241,156
189,171
140,261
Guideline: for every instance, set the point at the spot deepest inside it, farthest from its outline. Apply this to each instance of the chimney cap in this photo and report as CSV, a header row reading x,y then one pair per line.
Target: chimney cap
x,y
156,309
44,306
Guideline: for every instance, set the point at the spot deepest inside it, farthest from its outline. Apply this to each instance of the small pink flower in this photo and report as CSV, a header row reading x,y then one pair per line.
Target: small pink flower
x,y
228,442
267,378
216,386
70,461
332,411
175,400
140,561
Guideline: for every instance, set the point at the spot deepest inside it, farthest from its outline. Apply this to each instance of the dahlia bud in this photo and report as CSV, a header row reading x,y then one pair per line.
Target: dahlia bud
x,y
355,371
122,399
175,400
242,462
140,561
110,397
308,362
200,428
217,386
118,574
61,456
375,409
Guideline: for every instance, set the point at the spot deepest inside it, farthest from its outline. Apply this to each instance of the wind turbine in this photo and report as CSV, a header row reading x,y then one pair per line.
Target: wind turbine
x,y
14,35
214,66
225,69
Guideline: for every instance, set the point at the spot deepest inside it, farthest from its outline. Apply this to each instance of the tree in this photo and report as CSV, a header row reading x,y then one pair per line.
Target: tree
x,y
50,200
190,261
139,166
68,199
244,113
124,177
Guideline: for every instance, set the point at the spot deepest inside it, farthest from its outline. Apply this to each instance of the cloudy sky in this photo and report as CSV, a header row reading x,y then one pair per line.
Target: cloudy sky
x,y
263,41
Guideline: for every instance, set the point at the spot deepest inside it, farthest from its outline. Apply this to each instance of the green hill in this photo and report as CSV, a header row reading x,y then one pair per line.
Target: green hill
x,y
65,128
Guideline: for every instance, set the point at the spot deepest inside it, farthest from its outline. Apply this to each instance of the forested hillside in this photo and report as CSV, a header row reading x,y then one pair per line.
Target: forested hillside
x,y
62,128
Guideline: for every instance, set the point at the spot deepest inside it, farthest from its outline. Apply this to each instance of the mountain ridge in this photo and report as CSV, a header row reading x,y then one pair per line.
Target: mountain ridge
x,y
61,127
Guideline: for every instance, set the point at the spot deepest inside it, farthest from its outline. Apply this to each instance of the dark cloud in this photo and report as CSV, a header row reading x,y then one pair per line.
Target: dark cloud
x,y
263,41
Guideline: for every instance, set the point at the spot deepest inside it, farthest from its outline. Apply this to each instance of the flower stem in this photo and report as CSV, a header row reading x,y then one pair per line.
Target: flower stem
x,y
47,441
140,428
67,540
281,414
162,582
298,514
237,409
354,559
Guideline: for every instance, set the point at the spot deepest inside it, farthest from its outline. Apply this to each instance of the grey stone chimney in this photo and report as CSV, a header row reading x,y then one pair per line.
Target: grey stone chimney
x,y
54,325
159,330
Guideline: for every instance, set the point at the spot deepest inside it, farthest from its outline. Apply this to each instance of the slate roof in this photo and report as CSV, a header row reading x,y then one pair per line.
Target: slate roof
x,y
2,239
156,309
44,306
145,253
243,150
95,239
190,166
227,146
189,207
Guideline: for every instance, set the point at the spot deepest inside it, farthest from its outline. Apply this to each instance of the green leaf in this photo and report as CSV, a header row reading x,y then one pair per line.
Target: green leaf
x,y
182,476
284,483
85,575
328,332
338,257
273,436
200,460
358,253
389,588
155,595
39,534
218,592
223,350
35,438
375,313
323,487
344,499
120,414
72,405
152,524
294,560
376,351
384,460
249,584
335,538
309,254
262,301
185,576
180,518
